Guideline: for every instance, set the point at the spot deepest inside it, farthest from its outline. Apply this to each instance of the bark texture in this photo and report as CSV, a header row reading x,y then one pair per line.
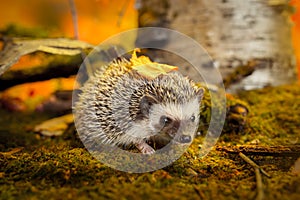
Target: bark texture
x,y
233,32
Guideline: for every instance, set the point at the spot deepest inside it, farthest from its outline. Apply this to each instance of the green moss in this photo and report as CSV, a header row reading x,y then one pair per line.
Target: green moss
x,y
234,119
56,168
275,115
14,30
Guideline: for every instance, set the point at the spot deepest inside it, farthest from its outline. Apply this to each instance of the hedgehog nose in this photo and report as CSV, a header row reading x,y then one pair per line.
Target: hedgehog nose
x,y
185,139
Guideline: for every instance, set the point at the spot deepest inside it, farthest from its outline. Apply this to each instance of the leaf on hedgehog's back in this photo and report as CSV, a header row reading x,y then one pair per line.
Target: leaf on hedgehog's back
x,y
139,60
152,70
145,67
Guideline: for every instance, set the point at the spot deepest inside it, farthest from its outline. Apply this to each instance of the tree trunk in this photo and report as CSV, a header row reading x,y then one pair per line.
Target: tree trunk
x,y
233,32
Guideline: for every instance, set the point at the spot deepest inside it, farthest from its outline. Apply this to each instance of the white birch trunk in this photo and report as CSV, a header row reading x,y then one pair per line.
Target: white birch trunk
x,y
233,32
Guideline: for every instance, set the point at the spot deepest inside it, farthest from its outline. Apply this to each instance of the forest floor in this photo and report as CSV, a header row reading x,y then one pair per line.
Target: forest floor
x,y
38,167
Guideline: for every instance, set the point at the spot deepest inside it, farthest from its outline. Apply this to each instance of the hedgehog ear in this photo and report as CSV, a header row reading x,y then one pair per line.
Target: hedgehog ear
x,y
200,93
146,102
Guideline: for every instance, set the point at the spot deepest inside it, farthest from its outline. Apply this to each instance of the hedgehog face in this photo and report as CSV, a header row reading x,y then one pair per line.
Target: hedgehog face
x,y
174,122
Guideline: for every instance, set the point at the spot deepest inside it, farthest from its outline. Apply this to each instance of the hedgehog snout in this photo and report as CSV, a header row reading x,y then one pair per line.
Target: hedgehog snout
x,y
185,132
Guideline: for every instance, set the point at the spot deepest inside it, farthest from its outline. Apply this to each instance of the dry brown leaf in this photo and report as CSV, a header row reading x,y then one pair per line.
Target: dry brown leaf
x,y
55,126
296,168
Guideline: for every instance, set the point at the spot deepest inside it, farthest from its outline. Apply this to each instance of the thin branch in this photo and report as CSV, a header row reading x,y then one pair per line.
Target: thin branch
x,y
74,18
74,14
258,169
259,185
11,152
253,164
122,12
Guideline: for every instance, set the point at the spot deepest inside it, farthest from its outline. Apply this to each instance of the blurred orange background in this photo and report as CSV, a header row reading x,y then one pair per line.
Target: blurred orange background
x,y
296,32
97,20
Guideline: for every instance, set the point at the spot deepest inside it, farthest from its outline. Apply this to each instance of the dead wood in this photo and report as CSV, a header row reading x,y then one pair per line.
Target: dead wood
x,y
59,66
292,151
14,48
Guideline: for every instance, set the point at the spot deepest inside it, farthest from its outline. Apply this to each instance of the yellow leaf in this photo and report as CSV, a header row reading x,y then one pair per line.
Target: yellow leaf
x,y
145,67
55,126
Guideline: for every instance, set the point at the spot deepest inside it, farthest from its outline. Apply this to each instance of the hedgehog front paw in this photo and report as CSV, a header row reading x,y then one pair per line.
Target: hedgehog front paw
x,y
144,148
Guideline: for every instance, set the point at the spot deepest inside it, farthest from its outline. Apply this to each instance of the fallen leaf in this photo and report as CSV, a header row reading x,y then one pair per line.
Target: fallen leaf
x,y
55,126
296,169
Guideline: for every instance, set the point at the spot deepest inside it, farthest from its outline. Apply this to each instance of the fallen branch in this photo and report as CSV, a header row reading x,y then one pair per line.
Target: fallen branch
x,y
14,48
292,151
58,66
253,164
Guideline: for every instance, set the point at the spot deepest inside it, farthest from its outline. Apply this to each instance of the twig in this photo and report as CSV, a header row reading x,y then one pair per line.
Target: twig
x,y
253,164
74,18
259,185
122,12
74,14
258,169
199,192
11,152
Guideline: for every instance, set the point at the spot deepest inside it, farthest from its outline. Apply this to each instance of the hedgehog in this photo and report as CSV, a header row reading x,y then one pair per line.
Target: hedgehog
x,y
120,106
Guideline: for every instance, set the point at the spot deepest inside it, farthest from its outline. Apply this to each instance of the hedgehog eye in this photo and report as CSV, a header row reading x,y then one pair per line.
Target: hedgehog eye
x,y
192,118
164,120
